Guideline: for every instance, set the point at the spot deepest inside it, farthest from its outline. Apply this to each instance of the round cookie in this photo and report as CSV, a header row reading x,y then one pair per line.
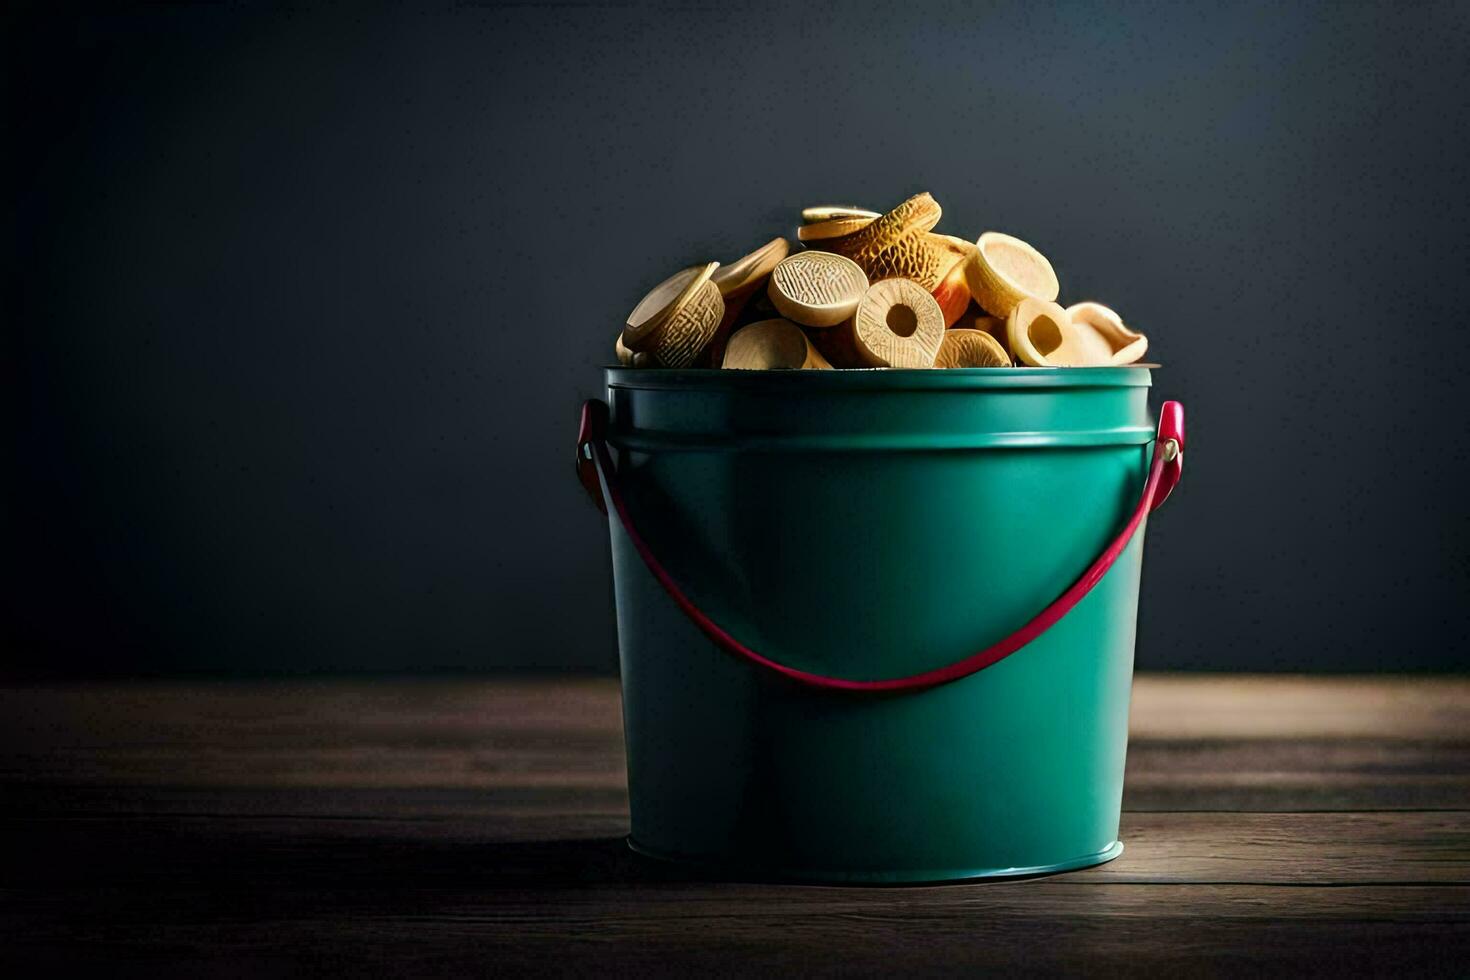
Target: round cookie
x,y
1004,270
677,318
816,289
898,324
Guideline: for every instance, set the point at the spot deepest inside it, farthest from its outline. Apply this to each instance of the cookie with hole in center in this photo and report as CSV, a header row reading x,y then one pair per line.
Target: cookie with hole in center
x,y
1041,334
898,324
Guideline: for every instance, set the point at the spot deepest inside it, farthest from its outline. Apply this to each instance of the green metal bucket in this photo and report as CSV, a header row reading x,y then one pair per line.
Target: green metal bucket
x,y
868,525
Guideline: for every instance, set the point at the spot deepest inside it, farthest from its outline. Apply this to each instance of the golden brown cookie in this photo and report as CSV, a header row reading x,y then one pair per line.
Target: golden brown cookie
x,y
970,348
836,228
832,212
898,246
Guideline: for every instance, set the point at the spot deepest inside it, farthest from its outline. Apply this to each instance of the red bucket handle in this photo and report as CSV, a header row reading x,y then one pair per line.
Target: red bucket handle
x,y
598,474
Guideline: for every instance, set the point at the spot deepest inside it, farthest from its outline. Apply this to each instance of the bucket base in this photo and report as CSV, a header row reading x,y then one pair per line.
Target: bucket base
x,y
746,872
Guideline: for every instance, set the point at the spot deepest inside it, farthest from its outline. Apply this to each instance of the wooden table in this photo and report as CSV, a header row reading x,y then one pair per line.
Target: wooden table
x,y
408,827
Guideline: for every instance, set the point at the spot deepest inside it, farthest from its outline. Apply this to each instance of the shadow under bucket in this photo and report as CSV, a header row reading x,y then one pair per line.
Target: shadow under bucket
x,y
878,626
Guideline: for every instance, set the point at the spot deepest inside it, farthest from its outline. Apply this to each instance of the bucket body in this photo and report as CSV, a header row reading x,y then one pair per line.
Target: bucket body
x,y
874,524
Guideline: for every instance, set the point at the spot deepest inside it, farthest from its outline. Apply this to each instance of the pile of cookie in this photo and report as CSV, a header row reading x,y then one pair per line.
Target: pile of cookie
x,y
874,290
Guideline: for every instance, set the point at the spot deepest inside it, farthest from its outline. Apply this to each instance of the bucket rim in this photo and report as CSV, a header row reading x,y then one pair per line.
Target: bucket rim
x,y
878,379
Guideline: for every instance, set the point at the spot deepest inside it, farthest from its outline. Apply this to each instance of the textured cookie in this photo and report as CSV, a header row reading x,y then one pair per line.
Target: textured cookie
x,y
657,304
897,245
913,217
816,289
898,324
673,332
970,348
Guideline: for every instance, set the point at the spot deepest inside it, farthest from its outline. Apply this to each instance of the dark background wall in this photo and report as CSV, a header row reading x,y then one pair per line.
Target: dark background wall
x,y
301,302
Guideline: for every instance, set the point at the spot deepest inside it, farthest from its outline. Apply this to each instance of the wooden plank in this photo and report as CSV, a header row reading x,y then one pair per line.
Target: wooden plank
x,y
513,889
1292,848
137,726
590,928
317,733
1239,742
1326,849
134,731
1198,742
453,827
1237,706
1286,774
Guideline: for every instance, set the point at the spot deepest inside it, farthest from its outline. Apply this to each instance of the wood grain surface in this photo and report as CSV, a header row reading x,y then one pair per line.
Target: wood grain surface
x,y
411,827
